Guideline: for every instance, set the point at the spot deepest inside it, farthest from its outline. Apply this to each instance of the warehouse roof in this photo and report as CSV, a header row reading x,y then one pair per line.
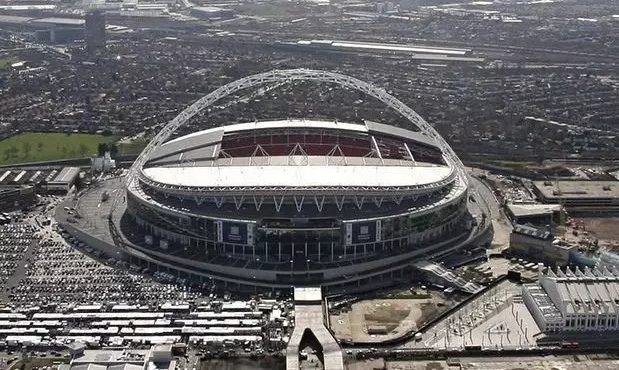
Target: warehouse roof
x,y
523,210
67,175
12,19
533,232
61,21
577,189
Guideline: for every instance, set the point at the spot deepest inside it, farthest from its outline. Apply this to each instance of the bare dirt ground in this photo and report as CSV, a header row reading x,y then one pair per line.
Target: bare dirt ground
x,y
605,228
366,364
417,365
397,315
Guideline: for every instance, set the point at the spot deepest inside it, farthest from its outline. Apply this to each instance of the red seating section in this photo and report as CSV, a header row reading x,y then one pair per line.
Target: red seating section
x,y
282,144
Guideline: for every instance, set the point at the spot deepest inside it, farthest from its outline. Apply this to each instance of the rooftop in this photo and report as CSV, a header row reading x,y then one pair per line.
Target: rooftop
x,y
12,19
208,142
589,290
307,294
61,21
523,210
67,174
578,189
533,232
299,176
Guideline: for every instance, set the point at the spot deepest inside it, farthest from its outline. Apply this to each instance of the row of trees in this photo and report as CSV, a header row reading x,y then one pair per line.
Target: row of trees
x,y
83,150
105,147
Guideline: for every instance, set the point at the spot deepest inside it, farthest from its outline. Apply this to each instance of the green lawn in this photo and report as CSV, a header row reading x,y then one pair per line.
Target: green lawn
x,y
39,146
32,363
7,60
133,147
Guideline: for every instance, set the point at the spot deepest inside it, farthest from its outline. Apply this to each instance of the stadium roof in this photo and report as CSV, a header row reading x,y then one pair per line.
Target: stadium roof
x,y
211,137
299,176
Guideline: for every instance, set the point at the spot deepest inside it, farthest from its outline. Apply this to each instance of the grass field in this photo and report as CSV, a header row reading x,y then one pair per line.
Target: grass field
x,y
133,147
6,61
38,146
39,362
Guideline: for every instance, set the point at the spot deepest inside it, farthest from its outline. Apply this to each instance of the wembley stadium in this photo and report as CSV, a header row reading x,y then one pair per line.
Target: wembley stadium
x,y
286,202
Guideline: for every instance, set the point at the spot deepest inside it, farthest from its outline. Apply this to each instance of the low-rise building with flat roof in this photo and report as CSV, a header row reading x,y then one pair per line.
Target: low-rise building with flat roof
x,y
536,214
594,196
579,300
158,357
539,244
64,180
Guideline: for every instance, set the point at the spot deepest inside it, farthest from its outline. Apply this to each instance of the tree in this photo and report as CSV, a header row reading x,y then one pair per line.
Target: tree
x,y
113,150
14,151
83,149
26,147
102,148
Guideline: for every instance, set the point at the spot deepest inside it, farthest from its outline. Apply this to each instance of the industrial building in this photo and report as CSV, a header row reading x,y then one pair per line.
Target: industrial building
x,y
539,244
158,357
580,196
64,180
53,30
535,214
211,12
586,300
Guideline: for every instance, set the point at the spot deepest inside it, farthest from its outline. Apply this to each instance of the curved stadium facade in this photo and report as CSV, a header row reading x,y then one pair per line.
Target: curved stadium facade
x,y
289,202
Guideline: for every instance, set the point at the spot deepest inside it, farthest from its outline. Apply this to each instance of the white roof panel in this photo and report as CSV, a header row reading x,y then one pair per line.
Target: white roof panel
x,y
296,123
299,176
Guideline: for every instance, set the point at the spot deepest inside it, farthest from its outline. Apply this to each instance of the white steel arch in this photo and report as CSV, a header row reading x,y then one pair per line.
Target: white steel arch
x,y
287,76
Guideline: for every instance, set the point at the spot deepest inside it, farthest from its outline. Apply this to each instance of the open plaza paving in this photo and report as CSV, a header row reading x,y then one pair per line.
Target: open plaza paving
x,y
498,319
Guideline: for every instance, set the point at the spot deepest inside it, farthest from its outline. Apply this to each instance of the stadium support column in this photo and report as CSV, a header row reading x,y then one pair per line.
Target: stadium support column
x,y
318,251
331,251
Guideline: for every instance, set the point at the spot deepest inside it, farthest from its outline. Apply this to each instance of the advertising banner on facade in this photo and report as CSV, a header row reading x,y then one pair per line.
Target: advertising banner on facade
x,y
362,232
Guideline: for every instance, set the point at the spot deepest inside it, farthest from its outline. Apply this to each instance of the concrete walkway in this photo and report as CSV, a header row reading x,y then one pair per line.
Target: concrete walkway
x,y
309,314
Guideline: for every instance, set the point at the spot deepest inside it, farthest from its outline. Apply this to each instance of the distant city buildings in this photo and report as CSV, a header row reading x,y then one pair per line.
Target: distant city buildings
x,y
95,32
586,300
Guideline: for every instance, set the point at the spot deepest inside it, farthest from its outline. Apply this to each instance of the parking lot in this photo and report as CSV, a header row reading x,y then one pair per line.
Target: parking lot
x,y
59,272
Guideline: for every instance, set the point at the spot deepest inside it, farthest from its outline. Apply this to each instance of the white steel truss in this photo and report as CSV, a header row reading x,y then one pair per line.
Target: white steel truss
x,y
278,77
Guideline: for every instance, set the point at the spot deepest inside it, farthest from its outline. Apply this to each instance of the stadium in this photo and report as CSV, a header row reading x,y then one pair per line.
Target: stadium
x,y
281,203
